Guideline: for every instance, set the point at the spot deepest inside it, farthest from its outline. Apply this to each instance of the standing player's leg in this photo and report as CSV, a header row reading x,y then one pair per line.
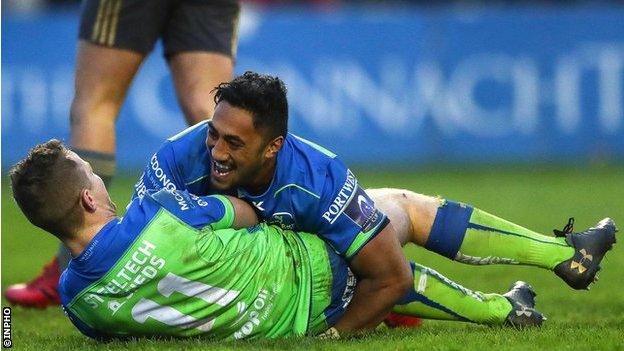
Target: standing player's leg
x,y
195,75
200,45
103,76
470,235
102,79
115,36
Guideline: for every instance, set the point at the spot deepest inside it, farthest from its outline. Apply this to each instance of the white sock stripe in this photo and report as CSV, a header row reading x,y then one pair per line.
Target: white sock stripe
x,y
422,282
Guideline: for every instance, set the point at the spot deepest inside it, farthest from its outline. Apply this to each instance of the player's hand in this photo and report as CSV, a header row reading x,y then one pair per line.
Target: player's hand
x,y
384,276
330,334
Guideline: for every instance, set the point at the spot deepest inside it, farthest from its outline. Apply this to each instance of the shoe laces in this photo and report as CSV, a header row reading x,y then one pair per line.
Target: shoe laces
x,y
567,229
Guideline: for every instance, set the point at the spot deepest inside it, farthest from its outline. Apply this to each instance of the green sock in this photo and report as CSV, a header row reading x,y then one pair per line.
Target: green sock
x,y
437,297
490,239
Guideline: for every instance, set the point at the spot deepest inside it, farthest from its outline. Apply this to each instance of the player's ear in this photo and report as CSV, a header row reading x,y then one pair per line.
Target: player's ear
x,y
273,147
88,200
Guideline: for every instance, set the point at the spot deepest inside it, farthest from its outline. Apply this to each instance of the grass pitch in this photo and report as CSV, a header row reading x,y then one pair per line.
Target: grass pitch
x,y
541,199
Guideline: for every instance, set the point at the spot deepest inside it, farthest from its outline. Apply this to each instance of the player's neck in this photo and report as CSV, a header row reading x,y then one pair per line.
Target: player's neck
x,y
85,234
263,180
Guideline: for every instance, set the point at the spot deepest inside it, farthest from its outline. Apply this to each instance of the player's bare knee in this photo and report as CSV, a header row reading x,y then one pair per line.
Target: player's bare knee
x,y
422,200
410,201
87,109
412,213
84,115
78,114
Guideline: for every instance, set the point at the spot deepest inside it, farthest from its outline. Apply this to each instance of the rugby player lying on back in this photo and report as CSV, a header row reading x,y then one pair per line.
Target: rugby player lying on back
x,y
175,264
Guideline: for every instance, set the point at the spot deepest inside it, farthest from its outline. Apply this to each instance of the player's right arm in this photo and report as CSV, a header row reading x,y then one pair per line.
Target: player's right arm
x,y
383,276
244,214
349,221
216,211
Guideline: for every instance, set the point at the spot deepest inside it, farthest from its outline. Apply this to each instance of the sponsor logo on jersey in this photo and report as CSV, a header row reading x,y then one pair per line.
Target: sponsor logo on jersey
x,y
362,211
258,312
160,174
141,267
183,199
284,220
140,187
258,205
366,208
156,175
343,199
201,202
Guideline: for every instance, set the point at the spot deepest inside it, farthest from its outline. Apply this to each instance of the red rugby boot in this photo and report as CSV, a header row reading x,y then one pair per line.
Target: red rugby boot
x,y
41,292
395,320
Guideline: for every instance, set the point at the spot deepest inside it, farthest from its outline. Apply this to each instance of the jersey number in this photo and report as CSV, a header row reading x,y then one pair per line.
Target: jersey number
x,y
168,315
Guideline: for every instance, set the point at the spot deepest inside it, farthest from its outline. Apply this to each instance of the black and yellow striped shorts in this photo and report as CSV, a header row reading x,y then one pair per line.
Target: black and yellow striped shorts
x,y
183,25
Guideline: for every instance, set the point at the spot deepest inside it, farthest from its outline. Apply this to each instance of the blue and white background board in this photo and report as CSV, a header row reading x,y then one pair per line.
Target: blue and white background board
x,y
391,86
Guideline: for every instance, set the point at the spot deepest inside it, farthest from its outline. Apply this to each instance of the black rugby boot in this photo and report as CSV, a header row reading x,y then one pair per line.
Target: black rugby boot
x,y
523,313
590,247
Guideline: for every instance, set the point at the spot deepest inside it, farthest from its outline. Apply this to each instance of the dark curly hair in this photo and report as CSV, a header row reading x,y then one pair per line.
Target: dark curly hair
x,y
263,96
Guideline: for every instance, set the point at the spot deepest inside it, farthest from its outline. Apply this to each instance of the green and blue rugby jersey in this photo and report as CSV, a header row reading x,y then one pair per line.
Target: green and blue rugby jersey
x,y
172,266
182,163
311,191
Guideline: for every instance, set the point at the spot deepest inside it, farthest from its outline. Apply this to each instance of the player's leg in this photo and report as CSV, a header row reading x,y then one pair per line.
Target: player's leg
x,y
115,36
195,75
411,214
103,75
102,79
444,227
409,217
473,236
200,46
437,297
